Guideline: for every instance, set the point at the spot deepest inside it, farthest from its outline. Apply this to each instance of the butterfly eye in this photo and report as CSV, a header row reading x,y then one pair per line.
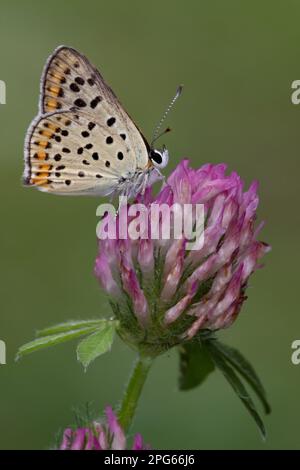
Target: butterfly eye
x,y
159,158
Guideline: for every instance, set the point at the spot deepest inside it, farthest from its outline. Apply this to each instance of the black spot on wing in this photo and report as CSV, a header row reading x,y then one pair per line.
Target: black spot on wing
x,y
95,102
110,122
80,103
79,80
74,87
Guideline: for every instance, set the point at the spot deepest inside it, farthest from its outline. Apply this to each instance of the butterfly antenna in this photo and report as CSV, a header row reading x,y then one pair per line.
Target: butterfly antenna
x,y
156,133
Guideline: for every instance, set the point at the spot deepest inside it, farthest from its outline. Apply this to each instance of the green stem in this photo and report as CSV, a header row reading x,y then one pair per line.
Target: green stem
x,y
133,391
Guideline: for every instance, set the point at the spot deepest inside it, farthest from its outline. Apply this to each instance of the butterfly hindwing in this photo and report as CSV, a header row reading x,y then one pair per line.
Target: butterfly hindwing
x,y
72,153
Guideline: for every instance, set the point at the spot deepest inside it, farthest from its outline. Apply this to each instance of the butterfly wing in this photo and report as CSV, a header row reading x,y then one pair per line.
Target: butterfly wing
x,y
75,98
68,153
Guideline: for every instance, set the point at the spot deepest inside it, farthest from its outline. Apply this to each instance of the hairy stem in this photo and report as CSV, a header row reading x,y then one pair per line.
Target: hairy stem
x,y
133,391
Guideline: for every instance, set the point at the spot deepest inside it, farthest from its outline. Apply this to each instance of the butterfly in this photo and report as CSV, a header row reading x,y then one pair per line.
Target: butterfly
x,y
83,142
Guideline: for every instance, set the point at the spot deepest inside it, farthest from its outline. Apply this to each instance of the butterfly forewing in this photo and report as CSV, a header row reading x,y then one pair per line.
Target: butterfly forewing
x,y
83,142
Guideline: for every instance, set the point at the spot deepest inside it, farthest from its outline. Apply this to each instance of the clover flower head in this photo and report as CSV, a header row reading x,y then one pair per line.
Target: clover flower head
x,y
163,293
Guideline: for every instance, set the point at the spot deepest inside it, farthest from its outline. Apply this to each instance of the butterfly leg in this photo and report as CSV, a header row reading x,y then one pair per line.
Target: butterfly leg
x,y
144,184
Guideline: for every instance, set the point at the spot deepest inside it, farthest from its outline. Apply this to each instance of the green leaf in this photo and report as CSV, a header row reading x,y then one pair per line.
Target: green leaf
x,y
195,364
69,326
51,340
95,344
243,366
237,385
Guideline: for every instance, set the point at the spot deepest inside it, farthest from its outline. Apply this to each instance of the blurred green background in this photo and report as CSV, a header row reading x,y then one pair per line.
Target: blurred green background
x,y
237,61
